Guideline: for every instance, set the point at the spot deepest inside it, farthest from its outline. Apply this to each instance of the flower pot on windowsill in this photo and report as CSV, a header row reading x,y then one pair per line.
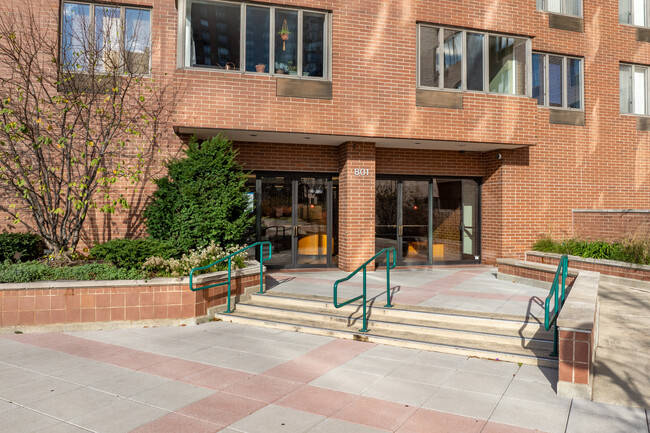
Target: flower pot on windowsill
x,y
279,71
260,68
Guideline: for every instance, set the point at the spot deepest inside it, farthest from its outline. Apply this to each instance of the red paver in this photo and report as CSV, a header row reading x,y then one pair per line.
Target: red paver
x,y
174,423
175,368
431,421
320,401
375,413
215,377
264,388
221,408
495,427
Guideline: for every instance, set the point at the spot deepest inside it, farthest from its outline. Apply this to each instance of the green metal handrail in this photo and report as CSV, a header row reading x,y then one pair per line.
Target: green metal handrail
x,y
229,258
386,251
559,297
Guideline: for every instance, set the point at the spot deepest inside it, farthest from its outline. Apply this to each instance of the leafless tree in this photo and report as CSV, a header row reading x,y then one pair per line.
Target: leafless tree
x,y
80,110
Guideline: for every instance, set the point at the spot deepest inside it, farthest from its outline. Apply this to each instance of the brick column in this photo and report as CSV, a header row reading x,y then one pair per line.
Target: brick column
x,y
356,204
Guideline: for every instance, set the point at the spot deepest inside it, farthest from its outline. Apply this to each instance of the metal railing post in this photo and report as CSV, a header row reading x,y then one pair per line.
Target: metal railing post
x,y
228,311
261,269
365,319
388,304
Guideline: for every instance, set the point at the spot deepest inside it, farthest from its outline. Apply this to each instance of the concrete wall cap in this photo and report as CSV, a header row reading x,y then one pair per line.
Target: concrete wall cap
x,y
579,307
252,268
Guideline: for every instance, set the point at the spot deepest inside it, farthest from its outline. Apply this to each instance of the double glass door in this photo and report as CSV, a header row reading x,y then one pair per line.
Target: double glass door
x,y
428,220
298,215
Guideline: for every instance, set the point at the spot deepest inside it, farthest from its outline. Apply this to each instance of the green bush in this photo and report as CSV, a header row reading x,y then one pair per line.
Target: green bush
x,y
202,199
36,271
633,250
132,253
28,245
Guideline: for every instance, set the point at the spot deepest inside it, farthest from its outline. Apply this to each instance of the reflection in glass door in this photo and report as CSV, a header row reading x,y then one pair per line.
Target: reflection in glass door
x,y
447,221
276,218
311,221
414,229
385,214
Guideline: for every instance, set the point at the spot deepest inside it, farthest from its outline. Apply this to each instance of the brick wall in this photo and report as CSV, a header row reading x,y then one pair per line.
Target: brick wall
x,y
105,303
610,225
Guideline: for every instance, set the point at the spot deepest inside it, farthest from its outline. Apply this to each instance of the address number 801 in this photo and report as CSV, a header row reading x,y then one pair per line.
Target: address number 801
x,y
361,171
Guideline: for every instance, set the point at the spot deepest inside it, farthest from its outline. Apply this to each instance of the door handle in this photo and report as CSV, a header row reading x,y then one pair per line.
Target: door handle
x,y
401,231
295,231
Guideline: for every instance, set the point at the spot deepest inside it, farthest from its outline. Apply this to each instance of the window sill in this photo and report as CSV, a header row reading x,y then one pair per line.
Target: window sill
x,y
470,92
252,74
565,116
642,121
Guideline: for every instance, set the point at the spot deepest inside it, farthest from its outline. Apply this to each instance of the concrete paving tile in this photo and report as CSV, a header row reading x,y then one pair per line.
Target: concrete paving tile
x,y
495,427
393,352
73,403
251,363
175,368
172,395
535,392
5,406
303,369
487,366
375,413
91,371
533,373
263,388
284,350
580,422
372,365
462,402
478,382
426,421
215,377
221,408
41,388
401,391
422,373
9,347
343,379
321,401
606,409
542,416
120,416
16,376
62,427
128,384
278,419
21,420
175,423
337,426
441,360
213,355
173,348
311,340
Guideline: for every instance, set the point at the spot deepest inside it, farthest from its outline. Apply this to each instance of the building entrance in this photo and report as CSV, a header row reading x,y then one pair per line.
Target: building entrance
x,y
428,220
297,213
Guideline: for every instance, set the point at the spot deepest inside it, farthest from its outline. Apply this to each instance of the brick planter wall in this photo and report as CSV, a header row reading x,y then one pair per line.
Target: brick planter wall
x,y
533,274
160,300
605,267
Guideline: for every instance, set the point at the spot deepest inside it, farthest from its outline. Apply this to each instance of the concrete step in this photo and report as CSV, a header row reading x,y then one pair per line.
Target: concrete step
x,y
398,315
486,337
456,346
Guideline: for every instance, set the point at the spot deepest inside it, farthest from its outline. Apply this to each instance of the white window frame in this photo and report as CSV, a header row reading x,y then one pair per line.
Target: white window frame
x,y
632,14
542,5
565,84
632,89
91,23
486,71
184,35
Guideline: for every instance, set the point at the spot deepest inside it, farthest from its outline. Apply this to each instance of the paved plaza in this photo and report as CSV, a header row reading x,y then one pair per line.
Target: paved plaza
x,y
232,378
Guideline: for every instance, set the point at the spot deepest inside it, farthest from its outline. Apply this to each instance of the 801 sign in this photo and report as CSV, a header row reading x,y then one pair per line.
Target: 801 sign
x,y
361,172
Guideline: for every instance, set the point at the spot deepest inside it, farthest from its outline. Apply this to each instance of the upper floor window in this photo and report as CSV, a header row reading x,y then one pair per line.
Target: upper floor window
x,y
466,60
557,81
256,38
105,38
634,12
564,7
633,89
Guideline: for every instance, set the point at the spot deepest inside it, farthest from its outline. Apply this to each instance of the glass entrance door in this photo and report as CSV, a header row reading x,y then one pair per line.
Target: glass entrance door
x,y
295,215
428,221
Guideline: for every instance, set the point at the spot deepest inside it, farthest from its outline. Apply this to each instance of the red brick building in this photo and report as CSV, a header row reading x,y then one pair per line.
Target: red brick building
x,y
456,131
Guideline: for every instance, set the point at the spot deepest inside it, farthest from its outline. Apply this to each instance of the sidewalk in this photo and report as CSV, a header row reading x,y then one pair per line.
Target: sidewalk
x,y
232,378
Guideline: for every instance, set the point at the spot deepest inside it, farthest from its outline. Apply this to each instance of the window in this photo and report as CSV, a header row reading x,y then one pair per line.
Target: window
x,y
634,89
471,61
557,81
105,38
634,12
564,7
256,38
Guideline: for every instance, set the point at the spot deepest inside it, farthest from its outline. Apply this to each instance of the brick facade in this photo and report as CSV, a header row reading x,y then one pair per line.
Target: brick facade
x,y
529,192
611,225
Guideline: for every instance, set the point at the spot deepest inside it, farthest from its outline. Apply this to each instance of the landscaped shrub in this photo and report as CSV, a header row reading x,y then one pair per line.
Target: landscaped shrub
x,y
29,246
37,271
194,259
202,199
632,250
132,253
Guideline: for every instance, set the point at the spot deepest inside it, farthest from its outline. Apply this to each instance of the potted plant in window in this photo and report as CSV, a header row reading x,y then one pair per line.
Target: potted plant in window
x,y
260,67
284,34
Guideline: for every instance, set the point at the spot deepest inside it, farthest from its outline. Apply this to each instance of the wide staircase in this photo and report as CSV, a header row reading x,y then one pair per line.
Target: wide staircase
x,y
501,337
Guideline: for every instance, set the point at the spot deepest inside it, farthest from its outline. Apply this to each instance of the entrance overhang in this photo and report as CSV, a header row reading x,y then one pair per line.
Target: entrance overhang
x,y
239,135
